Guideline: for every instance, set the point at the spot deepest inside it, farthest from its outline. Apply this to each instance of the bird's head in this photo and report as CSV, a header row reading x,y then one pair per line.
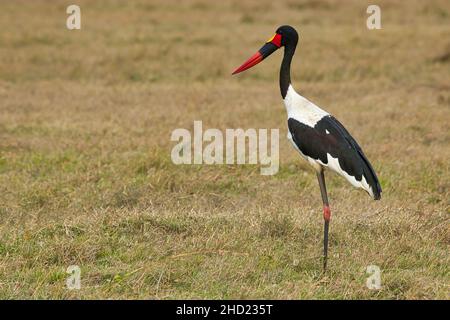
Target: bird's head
x,y
285,36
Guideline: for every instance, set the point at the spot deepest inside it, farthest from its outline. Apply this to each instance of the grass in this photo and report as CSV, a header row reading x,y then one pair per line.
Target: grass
x,y
86,176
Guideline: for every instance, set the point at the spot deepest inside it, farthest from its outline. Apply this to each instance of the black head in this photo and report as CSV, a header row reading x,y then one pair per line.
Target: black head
x,y
289,36
285,36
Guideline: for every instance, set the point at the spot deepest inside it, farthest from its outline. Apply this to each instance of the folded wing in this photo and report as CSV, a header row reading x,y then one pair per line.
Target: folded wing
x,y
331,145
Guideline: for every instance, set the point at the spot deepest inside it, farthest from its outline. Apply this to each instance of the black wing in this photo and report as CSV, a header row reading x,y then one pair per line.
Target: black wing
x,y
330,137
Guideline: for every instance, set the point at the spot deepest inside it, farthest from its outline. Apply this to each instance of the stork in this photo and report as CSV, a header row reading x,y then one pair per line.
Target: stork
x,y
319,138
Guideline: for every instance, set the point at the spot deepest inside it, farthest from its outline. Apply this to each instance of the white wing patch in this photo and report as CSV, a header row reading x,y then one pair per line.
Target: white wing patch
x,y
333,164
306,112
301,109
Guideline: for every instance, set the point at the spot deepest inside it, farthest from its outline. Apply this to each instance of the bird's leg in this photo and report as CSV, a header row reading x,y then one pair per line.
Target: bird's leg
x,y
326,215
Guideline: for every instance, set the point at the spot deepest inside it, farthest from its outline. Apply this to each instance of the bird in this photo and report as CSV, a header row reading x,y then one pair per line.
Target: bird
x,y
315,134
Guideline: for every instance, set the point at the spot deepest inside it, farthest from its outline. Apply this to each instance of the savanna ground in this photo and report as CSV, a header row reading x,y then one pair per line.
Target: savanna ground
x,y
85,171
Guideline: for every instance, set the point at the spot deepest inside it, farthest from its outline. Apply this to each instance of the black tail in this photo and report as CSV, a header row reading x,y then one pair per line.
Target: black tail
x,y
368,172
370,176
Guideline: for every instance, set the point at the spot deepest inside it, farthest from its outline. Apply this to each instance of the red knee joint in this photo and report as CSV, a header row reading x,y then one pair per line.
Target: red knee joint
x,y
326,213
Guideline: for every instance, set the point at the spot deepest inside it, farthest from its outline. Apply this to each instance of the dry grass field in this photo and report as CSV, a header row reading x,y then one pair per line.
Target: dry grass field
x,y
86,176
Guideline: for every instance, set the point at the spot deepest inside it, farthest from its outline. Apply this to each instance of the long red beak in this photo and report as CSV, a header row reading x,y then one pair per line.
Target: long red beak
x,y
254,60
270,47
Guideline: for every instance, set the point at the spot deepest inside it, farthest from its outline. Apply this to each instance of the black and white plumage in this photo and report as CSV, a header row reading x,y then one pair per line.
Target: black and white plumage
x,y
319,138
324,142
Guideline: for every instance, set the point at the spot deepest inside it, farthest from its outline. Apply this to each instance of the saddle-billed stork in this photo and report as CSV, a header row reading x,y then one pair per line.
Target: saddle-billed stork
x,y
315,134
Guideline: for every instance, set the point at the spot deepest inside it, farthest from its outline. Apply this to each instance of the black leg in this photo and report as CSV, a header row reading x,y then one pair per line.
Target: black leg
x,y
326,215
